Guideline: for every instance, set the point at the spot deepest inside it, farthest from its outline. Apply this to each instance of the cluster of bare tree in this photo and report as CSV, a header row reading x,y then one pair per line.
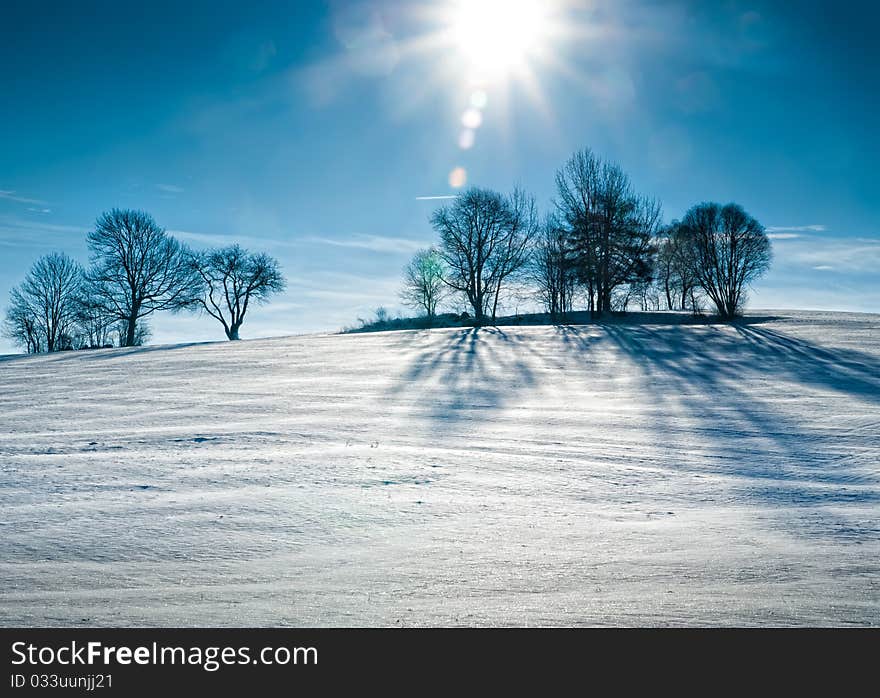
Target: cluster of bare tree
x,y
603,244
137,269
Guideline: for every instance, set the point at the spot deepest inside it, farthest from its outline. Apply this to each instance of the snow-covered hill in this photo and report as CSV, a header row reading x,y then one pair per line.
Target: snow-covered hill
x,y
615,474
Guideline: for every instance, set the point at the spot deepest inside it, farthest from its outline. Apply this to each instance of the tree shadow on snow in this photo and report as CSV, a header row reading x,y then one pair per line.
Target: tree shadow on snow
x,y
713,383
456,379
710,393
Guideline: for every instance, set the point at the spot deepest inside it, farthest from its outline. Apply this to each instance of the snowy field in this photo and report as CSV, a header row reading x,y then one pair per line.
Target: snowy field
x,y
618,474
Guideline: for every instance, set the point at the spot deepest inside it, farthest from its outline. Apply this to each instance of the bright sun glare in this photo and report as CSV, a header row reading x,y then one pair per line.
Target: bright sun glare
x,y
497,37
488,48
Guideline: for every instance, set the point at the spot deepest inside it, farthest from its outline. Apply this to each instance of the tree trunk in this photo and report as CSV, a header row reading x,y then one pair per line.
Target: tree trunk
x,y
131,327
605,300
232,333
477,305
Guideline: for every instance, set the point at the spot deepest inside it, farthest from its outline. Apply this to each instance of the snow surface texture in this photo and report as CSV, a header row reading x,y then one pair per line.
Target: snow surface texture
x,y
605,474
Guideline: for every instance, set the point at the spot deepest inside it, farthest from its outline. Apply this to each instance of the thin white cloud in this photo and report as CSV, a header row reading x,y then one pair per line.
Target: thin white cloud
x,y
374,243
12,196
358,296
796,229
859,255
224,239
783,236
15,232
434,198
39,210
203,238
170,188
323,279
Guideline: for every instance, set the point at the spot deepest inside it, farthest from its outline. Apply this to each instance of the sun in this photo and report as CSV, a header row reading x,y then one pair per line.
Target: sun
x,y
487,55
498,37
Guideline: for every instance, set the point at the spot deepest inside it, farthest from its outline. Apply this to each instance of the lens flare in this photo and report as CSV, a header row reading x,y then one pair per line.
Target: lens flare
x,y
457,178
472,118
479,99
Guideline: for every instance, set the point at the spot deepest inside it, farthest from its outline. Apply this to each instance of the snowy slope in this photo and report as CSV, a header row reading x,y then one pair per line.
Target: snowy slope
x,y
615,474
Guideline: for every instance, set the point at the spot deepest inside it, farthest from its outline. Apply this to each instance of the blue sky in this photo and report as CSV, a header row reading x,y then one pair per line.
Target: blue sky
x,y
311,130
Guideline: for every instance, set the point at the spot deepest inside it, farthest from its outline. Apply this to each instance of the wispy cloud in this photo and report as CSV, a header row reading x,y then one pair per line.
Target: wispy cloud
x,y
13,196
223,239
170,188
821,253
783,236
433,198
204,238
796,229
39,210
16,232
374,243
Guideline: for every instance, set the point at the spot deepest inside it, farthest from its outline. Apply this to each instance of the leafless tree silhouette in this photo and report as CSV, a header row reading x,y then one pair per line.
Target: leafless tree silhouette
x,y
610,228
729,249
550,272
138,269
485,239
94,325
674,268
43,308
230,279
423,286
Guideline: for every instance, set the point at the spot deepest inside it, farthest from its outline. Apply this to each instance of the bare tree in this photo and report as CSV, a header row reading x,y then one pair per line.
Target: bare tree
x,y
675,267
423,286
611,230
729,250
577,187
665,268
93,324
515,245
43,309
646,292
484,240
138,269
550,271
231,279
469,232
142,333
21,324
